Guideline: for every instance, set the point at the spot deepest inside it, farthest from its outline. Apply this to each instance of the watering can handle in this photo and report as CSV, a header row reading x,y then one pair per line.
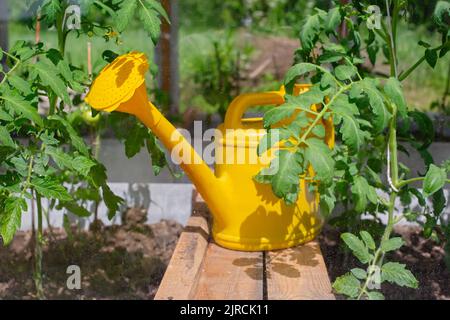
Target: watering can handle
x,y
237,108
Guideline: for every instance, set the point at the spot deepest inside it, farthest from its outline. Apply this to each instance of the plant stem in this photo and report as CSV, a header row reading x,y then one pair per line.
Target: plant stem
x,y
38,251
322,113
379,256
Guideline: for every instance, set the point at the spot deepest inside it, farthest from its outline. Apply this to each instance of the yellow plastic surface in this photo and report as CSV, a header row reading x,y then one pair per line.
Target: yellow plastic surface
x,y
246,215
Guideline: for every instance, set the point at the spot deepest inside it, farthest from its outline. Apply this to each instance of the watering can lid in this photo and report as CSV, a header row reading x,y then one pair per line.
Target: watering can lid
x,y
118,81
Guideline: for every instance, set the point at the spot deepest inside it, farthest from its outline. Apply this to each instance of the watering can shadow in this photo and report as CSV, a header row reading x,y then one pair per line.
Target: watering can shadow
x,y
246,215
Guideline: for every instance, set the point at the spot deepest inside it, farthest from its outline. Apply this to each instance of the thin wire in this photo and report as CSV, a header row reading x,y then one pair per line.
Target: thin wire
x,y
391,184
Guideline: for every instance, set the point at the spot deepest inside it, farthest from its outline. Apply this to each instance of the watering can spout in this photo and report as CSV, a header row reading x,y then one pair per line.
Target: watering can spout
x,y
121,87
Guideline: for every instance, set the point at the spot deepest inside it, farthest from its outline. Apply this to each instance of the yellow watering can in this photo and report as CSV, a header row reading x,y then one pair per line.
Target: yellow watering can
x,y
246,215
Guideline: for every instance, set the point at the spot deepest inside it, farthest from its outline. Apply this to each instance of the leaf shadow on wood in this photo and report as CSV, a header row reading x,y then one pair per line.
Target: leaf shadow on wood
x,y
253,267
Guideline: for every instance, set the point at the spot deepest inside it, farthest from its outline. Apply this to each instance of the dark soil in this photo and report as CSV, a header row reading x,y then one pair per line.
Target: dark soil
x,y
128,261
116,262
424,257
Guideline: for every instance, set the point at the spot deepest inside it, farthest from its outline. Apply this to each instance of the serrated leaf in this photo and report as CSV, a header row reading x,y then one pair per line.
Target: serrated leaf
x,y
151,23
359,273
157,154
112,201
345,72
375,295
434,180
298,70
49,75
19,84
376,102
392,244
10,218
50,188
311,29
333,20
75,139
76,209
135,140
318,154
397,273
393,90
83,165
368,240
359,190
62,159
347,285
350,129
124,15
24,108
5,138
271,138
287,175
358,247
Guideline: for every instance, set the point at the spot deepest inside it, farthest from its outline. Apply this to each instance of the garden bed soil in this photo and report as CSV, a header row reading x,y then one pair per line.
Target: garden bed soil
x,y
128,261
116,262
424,257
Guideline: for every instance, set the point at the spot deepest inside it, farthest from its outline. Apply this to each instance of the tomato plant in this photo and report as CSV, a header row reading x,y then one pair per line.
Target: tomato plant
x,y
366,110
42,155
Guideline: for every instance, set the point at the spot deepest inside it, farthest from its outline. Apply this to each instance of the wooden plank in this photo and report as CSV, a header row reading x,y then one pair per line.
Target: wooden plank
x,y
298,274
182,273
230,275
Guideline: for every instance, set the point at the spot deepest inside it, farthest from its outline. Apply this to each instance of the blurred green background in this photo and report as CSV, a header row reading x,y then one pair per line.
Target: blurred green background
x,y
232,46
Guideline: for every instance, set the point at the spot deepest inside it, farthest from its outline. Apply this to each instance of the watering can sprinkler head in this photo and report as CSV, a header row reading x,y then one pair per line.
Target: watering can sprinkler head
x,y
119,84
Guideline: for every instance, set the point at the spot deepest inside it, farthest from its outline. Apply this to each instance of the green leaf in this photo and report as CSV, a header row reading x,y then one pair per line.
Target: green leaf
x,y
359,190
10,218
375,295
75,139
50,188
125,13
350,129
318,154
397,273
368,240
393,90
392,244
112,201
290,167
5,138
157,155
24,108
358,247
271,138
49,75
441,14
359,273
61,158
20,84
311,29
50,10
298,70
347,285
376,101
77,210
333,20
135,140
434,180
151,23
83,165
159,8
431,56
345,72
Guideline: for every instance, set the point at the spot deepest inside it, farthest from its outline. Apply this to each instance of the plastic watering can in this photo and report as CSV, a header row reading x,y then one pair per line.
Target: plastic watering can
x,y
246,214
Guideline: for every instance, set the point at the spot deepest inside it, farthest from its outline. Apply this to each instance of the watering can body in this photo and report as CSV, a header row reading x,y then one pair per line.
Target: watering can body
x,y
246,214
